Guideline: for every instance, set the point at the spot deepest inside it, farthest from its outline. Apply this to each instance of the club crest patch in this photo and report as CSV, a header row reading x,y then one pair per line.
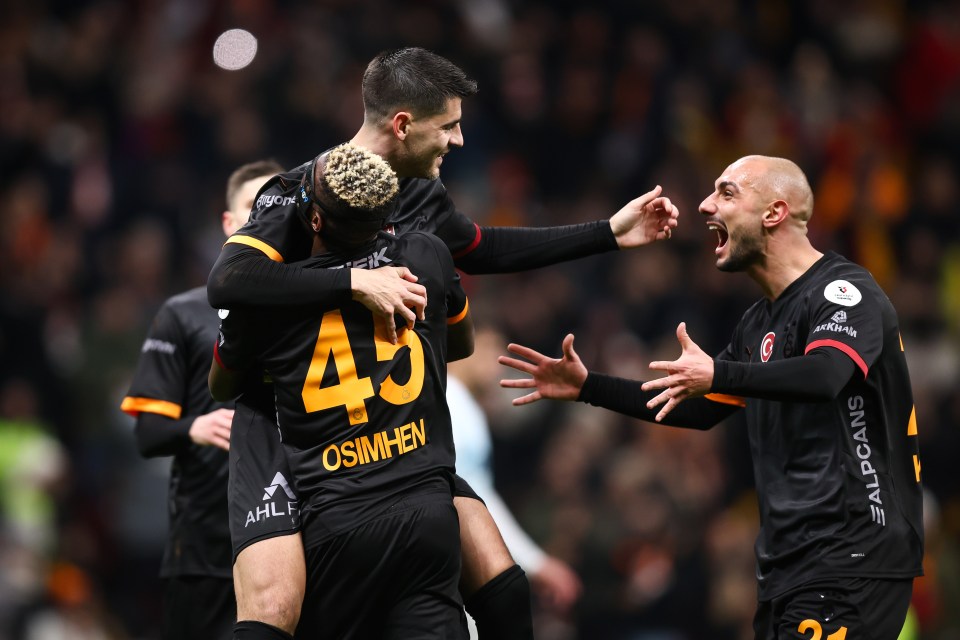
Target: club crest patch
x,y
766,346
843,293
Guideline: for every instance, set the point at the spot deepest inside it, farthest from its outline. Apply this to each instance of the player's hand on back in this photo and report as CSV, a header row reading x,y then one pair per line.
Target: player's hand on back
x,y
645,219
213,429
388,291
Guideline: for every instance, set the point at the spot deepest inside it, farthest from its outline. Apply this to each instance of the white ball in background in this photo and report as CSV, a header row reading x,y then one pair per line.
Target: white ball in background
x,y
234,49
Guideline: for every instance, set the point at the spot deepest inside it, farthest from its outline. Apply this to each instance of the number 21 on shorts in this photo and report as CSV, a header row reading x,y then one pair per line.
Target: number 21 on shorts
x,y
814,626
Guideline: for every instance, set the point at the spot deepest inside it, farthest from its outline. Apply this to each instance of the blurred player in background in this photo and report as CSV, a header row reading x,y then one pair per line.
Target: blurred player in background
x,y
468,381
412,111
177,417
818,366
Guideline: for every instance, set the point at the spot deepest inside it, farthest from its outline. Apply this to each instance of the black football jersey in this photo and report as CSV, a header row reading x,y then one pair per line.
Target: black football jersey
x,y
363,421
839,481
171,380
277,224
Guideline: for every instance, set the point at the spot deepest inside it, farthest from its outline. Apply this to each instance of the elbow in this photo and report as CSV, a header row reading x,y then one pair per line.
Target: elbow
x,y
217,293
145,446
461,350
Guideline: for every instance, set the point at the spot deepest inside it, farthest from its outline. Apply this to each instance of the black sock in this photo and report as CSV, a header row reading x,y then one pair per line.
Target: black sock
x,y
501,608
254,630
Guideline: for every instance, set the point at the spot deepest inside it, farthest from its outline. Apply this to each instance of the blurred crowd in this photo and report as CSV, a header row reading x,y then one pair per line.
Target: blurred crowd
x,y
117,134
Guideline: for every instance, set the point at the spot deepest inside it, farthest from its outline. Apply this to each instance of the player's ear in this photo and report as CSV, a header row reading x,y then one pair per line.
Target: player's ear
x,y
775,213
316,221
401,124
226,221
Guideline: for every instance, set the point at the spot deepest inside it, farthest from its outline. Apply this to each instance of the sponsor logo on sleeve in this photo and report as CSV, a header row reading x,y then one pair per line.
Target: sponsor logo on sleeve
x,y
843,293
836,325
272,200
161,346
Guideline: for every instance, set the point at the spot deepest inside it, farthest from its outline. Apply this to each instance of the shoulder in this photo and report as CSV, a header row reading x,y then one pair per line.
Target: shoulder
x,y
421,187
418,246
844,282
189,302
422,196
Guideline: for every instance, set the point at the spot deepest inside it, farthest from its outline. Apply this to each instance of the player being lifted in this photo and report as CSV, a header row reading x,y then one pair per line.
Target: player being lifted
x,y
412,110
363,420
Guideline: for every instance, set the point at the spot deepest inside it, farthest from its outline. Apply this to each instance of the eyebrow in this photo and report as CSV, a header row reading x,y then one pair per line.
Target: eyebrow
x,y
728,183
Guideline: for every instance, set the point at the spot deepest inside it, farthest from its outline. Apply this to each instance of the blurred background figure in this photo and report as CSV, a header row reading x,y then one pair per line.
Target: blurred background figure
x,y
555,584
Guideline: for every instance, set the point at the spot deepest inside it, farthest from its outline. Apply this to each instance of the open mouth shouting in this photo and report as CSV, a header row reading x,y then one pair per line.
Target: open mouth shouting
x,y
722,235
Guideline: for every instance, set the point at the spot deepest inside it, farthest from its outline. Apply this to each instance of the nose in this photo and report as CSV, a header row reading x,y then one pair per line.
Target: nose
x,y
708,207
456,137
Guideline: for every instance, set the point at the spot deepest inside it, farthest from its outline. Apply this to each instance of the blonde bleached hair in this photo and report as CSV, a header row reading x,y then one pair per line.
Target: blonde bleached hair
x,y
358,179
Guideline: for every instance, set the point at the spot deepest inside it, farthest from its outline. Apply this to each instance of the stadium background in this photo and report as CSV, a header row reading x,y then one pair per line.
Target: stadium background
x,y
117,135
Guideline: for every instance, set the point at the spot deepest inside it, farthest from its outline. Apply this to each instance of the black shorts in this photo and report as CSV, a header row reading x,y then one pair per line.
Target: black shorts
x,y
198,607
261,497
395,577
836,609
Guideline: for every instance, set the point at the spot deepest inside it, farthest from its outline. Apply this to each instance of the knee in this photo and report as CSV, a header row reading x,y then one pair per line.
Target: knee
x,y
276,603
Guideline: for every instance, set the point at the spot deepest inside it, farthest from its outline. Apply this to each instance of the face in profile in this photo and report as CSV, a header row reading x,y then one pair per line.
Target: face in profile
x,y
430,138
734,211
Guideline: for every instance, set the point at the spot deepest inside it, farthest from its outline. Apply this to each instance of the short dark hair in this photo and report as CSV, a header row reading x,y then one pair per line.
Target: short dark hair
x,y
414,79
247,172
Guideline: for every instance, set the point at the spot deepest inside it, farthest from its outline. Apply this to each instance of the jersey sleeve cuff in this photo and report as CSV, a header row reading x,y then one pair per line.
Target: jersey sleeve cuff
x,y
134,406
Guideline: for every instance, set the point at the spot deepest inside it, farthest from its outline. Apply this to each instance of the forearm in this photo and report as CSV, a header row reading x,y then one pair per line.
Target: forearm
x,y
158,435
509,249
815,377
244,276
626,397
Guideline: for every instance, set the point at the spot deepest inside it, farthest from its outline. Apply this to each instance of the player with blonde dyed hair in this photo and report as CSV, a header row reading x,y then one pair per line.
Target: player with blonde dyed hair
x,y
363,422
412,114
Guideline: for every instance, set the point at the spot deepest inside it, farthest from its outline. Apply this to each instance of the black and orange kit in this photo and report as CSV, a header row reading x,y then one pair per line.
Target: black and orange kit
x,y
263,503
168,391
366,432
822,377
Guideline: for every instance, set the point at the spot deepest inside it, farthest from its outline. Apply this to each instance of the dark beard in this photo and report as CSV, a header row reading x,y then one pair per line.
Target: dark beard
x,y
747,253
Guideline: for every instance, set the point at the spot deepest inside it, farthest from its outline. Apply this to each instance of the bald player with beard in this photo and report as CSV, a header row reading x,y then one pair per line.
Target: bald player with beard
x,y
817,365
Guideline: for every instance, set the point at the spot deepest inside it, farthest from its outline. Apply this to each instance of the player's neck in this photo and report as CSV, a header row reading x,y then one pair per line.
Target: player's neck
x,y
783,266
373,139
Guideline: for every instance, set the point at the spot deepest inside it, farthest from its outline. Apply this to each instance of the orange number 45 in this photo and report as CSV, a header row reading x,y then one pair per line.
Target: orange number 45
x,y
352,391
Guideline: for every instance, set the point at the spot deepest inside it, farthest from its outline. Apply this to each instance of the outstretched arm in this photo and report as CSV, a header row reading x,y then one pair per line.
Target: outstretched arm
x,y
641,221
814,377
567,378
